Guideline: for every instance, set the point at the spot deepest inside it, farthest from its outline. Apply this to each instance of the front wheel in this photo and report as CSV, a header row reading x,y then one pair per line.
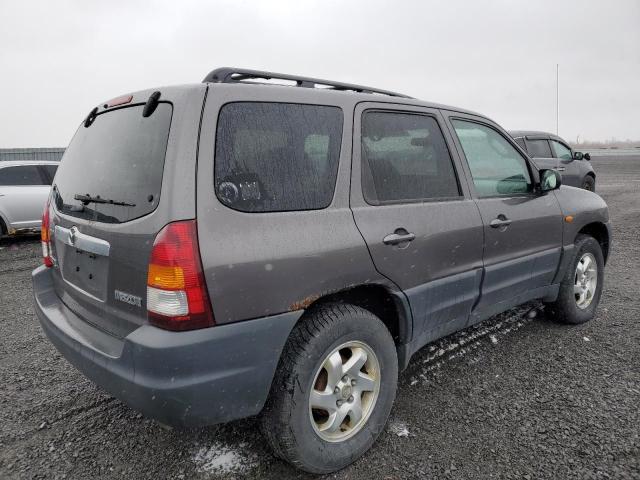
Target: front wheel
x,y
333,390
589,183
581,286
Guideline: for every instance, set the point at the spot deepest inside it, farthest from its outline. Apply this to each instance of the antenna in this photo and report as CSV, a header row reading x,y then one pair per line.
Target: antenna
x,y
557,98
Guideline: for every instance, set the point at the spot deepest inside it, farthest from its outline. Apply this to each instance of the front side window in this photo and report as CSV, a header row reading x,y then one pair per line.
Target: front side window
x,y
561,151
539,148
274,157
405,158
24,175
496,166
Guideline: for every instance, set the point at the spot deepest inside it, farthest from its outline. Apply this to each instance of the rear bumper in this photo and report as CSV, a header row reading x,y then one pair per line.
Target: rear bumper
x,y
193,378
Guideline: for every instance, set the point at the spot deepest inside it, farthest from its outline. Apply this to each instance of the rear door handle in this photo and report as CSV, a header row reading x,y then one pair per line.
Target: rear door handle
x,y
399,236
501,221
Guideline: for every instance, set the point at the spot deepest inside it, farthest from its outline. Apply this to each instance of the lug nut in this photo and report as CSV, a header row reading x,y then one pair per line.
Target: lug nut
x,y
351,399
345,378
336,390
353,383
339,403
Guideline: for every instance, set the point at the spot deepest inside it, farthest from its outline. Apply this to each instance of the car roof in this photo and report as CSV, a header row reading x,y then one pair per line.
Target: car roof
x,y
537,134
14,163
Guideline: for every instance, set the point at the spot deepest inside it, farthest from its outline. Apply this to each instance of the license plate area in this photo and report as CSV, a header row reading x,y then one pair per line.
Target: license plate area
x,y
83,261
86,271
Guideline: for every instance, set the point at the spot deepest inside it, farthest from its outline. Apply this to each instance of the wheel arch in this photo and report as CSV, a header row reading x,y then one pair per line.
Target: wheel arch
x,y
599,231
390,305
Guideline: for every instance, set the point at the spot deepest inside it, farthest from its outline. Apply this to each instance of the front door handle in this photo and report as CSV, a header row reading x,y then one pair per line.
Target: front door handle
x,y
501,221
561,169
399,236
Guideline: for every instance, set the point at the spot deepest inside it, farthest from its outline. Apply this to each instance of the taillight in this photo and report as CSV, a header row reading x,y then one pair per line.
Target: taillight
x,y
177,297
45,236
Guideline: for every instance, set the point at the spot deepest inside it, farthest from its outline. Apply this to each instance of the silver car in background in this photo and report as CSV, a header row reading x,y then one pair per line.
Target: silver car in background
x,y
24,189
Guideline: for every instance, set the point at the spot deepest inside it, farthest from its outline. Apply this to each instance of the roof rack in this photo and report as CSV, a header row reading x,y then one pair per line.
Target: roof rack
x,y
237,75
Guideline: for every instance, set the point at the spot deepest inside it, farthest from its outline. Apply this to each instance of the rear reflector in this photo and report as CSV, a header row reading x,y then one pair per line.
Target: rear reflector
x,y
177,297
45,236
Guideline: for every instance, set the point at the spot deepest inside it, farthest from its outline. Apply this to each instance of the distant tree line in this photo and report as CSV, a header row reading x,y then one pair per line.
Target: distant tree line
x,y
613,143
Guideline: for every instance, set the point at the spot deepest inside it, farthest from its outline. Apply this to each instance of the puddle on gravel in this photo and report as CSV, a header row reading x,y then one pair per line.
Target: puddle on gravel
x,y
220,458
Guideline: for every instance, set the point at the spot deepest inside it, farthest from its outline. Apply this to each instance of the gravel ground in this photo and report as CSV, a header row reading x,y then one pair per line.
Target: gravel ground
x,y
514,397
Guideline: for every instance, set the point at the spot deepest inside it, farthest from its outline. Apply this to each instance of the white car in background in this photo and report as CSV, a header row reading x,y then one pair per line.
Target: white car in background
x,y
24,189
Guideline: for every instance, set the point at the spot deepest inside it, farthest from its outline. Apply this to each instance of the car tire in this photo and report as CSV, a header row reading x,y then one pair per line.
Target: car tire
x,y
299,434
589,183
578,297
3,228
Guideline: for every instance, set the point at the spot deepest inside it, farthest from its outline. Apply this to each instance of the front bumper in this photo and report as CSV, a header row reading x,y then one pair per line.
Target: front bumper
x,y
194,378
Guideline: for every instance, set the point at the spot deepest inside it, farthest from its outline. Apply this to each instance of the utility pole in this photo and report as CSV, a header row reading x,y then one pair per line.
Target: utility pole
x,y
557,98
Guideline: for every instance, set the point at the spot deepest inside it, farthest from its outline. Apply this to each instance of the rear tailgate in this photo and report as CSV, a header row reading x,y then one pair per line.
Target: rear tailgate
x,y
144,169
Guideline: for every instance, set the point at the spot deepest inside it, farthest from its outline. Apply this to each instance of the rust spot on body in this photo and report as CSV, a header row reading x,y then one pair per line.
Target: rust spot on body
x,y
304,303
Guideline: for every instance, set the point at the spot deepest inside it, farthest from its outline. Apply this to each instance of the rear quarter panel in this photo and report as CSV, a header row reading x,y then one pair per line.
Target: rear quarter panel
x,y
259,264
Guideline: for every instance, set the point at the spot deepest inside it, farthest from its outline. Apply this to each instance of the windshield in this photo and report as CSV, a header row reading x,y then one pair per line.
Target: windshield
x,y
118,158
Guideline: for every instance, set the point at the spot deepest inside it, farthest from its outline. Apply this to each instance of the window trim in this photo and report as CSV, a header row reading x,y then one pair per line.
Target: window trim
x,y
365,167
512,142
338,163
523,147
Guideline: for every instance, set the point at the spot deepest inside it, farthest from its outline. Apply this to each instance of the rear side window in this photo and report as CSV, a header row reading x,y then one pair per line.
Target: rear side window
x,y
405,158
23,175
273,157
119,157
539,149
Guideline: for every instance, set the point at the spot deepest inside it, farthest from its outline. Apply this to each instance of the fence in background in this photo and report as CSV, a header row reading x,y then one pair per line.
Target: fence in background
x,y
51,154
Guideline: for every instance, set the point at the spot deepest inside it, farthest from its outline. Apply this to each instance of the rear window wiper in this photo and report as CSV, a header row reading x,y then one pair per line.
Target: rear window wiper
x,y
87,199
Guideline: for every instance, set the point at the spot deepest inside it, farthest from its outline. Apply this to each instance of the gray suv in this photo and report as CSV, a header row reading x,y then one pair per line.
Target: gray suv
x,y
227,249
551,151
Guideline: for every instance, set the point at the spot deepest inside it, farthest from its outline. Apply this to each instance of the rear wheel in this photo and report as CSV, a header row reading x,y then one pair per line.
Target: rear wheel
x,y
3,228
589,183
581,286
333,389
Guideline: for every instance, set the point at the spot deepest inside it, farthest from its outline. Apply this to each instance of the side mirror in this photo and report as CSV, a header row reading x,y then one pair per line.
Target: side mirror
x,y
549,180
587,156
578,156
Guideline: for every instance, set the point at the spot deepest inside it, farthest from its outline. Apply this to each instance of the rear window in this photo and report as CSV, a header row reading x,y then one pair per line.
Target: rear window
x,y
274,157
119,158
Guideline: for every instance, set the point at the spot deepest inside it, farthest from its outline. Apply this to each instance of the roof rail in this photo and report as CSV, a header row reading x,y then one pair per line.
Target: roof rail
x,y
237,75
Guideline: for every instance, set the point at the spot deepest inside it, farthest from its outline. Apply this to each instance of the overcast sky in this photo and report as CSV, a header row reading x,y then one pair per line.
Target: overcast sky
x,y
60,59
